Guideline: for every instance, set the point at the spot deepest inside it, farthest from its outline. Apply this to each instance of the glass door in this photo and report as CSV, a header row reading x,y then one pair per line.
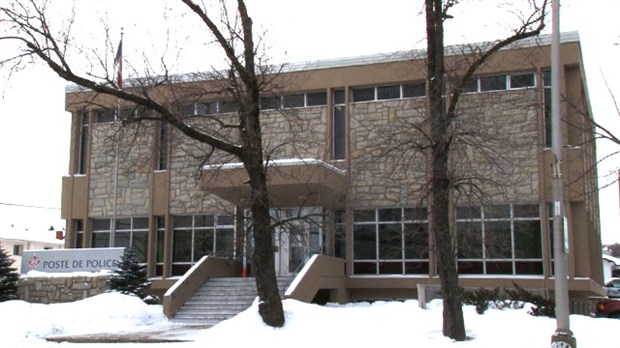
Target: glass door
x,y
296,238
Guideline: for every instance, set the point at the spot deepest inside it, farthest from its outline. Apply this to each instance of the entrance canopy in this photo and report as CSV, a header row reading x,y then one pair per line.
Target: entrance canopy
x,y
291,183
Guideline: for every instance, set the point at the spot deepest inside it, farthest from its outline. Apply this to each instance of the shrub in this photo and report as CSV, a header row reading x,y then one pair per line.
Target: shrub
x,y
130,277
484,298
8,278
543,306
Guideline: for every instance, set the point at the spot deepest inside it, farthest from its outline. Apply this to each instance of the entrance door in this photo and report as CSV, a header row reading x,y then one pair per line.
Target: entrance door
x,y
296,240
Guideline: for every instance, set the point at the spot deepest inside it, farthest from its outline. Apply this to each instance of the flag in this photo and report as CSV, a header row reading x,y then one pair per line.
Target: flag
x,y
118,64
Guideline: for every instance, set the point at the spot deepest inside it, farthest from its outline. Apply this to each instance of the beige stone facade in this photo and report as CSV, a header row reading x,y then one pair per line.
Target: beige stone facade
x,y
346,142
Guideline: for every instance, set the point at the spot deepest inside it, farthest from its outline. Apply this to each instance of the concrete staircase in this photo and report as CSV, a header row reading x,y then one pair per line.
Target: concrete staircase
x,y
219,299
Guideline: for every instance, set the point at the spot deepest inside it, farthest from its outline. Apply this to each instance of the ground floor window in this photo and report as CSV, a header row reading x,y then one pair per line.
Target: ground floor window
x,y
78,227
194,236
390,241
121,232
500,239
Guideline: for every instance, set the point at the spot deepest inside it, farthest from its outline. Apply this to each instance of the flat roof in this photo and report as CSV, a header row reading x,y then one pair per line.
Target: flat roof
x,y
540,40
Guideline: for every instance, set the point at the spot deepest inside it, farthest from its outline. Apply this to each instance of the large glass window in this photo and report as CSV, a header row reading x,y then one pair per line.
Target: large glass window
x,y
390,241
100,233
499,239
132,233
128,233
195,236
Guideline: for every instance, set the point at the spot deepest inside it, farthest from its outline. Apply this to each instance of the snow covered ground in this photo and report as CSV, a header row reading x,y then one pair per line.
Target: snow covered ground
x,y
381,324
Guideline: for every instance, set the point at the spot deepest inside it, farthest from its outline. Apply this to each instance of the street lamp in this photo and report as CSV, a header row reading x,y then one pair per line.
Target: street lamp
x,y
563,337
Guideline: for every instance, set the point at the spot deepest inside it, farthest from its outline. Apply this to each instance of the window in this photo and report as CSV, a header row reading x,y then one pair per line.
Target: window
x,y
316,98
363,94
188,109
78,226
339,123
195,236
105,116
206,108
128,232
388,92
547,107
18,249
500,239
522,80
132,233
226,106
492,83
101,230
470,86
390,241
82,150
414,90
294,101
270,103
162,147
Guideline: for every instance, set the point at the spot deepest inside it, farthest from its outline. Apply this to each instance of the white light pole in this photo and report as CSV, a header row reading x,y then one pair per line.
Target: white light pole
x,y
563,337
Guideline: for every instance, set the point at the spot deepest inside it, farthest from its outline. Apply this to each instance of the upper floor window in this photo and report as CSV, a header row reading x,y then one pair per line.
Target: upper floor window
x,y
82,144
270,103
492,83
105,116
162,146
387,92
500,82
339,126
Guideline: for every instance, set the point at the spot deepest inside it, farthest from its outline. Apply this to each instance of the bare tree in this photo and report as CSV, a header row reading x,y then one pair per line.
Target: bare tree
x,y
443,129
25,23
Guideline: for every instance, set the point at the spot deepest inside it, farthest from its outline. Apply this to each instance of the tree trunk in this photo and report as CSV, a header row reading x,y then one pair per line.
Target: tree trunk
x,y
453,323
270,306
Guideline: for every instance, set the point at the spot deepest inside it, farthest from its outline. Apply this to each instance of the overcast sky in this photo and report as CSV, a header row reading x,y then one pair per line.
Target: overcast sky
x,y
34,131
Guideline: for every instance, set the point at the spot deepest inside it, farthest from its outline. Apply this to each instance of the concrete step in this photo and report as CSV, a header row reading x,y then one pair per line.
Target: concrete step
x,y
220,299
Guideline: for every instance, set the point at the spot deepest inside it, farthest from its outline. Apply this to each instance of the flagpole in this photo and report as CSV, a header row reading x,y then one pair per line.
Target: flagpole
x,y
118,62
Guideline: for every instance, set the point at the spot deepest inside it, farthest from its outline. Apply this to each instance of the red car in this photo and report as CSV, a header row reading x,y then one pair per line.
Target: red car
x,y
608,308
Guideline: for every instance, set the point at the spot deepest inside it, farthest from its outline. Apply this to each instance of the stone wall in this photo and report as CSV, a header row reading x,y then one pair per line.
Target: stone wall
x,y
134,157
496,149
61,289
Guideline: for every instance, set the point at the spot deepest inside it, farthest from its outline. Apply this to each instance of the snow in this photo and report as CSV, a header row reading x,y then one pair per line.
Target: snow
x,y
279,163
380,324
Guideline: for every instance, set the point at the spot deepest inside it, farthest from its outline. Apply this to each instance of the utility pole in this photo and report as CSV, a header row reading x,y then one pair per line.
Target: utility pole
x,y
563,337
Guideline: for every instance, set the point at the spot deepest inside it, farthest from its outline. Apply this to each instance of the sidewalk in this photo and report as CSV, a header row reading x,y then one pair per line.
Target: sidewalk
x,y
171,333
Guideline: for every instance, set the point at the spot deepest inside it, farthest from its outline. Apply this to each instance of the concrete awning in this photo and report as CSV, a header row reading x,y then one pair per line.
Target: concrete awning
x,y
291,183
